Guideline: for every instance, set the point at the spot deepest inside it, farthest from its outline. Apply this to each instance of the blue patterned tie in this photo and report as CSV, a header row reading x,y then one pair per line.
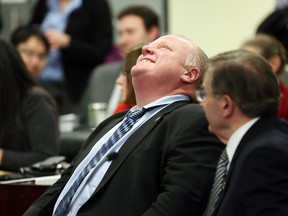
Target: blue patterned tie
x,y
131,118
219,183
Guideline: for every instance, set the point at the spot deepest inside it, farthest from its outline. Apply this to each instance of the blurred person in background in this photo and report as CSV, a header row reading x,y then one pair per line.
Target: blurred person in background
x,y
29,119
79,33
136,24
275,24
33,48
128,99
274,52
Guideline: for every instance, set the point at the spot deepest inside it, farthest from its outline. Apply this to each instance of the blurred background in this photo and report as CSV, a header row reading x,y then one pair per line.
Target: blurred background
x,y
216,26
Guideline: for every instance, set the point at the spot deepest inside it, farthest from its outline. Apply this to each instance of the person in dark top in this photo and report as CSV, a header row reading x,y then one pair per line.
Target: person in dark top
x,y
29,118
33,47
80,36
241,99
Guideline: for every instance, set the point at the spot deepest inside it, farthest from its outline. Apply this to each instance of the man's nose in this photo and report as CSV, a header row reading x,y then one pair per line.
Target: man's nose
x,y
147,49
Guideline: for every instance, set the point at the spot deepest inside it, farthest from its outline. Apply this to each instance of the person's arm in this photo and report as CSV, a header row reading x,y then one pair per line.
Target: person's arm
x,y
190,167
41,127
265,181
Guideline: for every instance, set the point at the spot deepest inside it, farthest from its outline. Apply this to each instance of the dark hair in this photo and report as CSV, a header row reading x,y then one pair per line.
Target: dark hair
x,y
130,61
275,24
23,33
149,17
268,47
248,79
15,84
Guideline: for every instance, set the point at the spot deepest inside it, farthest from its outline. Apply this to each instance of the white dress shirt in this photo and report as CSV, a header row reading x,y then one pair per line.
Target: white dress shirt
x,y
235,139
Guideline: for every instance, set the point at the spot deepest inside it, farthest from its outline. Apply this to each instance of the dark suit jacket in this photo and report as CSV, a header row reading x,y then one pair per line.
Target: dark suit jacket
x,y
257,181
90,28
165,168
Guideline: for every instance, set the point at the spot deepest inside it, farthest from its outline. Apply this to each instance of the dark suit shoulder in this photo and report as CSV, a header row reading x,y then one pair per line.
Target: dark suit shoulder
x,y
270,132
187,115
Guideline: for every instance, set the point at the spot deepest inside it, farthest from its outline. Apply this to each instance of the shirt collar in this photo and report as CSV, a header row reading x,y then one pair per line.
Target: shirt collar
x,y
236,137
165,100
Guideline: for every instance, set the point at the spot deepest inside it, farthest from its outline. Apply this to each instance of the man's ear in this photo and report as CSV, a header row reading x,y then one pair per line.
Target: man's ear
x,y
154,33
227,105
191,75
275,62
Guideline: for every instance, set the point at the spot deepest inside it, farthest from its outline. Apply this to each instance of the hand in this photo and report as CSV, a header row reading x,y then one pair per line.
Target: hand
x,y
57,39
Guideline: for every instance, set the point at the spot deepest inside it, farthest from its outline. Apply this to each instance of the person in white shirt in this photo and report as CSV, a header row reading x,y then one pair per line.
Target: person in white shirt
x,y
241,99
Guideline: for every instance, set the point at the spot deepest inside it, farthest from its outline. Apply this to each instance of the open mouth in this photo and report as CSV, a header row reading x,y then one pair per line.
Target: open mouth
x,y
147,60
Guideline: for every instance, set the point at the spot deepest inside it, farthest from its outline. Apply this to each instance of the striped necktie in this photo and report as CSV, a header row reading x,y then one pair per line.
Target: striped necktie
x,y
130,120
219,183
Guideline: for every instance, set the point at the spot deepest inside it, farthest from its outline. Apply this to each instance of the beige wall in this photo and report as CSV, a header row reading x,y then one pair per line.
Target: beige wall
x,y
217,25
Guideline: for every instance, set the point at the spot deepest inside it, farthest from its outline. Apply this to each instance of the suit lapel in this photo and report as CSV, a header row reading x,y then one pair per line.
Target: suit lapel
x,y
135,140
245,142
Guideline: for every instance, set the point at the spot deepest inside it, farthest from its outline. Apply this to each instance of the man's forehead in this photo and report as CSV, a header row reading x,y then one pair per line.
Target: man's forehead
x,y
172,41
131,19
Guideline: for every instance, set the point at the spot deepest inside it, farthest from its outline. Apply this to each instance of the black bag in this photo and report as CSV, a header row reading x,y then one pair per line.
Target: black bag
x,y
51,166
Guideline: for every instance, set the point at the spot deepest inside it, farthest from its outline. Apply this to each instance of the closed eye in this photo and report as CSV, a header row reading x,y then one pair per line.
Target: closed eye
x,y
165,47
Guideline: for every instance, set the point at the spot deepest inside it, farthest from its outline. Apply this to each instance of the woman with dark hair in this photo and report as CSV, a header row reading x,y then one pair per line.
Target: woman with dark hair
x,y
29,120
33,48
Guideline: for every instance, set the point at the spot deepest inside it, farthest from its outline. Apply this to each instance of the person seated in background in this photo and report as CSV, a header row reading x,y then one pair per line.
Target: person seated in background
x,y
241,98
275,24
28,115
128,99
33,48
80,36
274,52
135,24
156,159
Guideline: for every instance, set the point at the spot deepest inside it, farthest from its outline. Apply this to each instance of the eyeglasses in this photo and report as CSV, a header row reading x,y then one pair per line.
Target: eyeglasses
x,y
30,53
200,95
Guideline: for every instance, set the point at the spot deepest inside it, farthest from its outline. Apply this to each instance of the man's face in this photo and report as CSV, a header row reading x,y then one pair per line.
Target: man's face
x,y
131,32
162,62
33,53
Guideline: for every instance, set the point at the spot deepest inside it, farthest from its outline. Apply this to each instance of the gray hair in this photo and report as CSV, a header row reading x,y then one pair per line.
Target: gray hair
x,y
196,57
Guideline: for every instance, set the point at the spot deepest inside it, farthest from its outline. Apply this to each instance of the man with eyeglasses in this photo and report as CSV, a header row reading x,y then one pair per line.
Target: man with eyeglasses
x,y
241,103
